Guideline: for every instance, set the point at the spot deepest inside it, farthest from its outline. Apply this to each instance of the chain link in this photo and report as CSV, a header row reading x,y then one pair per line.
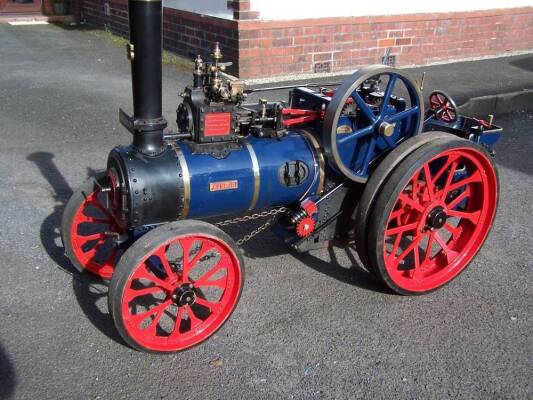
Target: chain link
x,y
274,213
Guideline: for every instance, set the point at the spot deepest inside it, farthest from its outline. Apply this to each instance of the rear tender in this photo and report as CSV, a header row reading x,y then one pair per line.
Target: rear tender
x,y
337,163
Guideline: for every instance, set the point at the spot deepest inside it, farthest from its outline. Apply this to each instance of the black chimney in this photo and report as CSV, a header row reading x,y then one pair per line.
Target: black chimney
x,y
144,51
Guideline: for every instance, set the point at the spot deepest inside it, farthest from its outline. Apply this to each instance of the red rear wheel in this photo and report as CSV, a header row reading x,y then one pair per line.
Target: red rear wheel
x,y
433,215
88,227
176,286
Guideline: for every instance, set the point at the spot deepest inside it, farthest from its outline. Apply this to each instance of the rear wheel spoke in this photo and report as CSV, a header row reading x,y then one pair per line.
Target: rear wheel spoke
x,y
464,194
470,216
401,229
449,253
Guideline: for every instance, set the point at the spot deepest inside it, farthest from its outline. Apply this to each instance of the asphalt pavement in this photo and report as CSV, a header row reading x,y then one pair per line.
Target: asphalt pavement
x,y
307,326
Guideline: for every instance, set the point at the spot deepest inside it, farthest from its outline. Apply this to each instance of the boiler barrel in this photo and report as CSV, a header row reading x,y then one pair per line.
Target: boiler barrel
x,y
264,173
192,181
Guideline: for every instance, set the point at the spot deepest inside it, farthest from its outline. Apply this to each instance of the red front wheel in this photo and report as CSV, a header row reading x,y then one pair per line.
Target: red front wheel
x,y
88,228
433,215
176,286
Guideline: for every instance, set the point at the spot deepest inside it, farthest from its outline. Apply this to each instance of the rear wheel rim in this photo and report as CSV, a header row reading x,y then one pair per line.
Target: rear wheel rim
x,y
421,252
173,302
91,236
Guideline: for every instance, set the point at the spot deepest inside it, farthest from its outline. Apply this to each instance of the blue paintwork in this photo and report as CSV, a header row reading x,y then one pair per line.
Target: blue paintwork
x,y
360,148
271,155
463,128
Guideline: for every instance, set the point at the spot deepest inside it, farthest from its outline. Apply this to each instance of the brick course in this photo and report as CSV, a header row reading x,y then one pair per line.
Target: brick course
x,y
261,49
306,46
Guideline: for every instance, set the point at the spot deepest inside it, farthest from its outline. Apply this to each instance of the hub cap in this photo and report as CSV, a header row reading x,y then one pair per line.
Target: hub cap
x,y
436,218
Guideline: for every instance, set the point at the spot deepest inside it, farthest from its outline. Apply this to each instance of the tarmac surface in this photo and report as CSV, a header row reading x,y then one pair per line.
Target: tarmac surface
x,y
307,326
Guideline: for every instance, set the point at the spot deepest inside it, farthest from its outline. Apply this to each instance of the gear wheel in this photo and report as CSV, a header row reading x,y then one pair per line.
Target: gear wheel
x,y
349,107
305,227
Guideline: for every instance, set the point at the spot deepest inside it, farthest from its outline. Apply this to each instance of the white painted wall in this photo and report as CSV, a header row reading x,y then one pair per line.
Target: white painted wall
x,y
301,9
214,8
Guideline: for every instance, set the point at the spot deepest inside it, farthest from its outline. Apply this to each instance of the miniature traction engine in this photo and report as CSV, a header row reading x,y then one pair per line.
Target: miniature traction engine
x,y
356,162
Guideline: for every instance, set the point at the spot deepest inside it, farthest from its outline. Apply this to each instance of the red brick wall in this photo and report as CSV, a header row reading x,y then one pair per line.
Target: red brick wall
x,y
261,49
184,33
270,48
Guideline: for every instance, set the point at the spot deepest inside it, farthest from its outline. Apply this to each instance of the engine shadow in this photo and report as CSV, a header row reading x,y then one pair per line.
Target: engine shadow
x,y
90,291
355,275
269,245
8,376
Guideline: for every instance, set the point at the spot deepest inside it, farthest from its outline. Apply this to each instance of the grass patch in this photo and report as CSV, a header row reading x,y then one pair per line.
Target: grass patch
x,y
119,41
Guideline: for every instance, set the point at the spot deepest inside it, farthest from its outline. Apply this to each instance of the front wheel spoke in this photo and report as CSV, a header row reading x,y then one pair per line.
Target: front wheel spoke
x,y
94,236
177,324
192,317
401,229
152,328
450,254
188,265
471,216
138,318
142,273
220,283
97,204
92,220
133,294
204,279
161,253
212,306
404,114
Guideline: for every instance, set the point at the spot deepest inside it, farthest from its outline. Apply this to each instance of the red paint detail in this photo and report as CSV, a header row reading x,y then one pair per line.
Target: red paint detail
x,y
305,227
217,124
310,207
189,325
482,122
442,107
419,258
298,116
112,178
91,246
223,185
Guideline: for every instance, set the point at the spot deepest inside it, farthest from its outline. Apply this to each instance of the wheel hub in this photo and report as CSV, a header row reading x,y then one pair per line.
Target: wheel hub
x,y
184,295
436,218
386,129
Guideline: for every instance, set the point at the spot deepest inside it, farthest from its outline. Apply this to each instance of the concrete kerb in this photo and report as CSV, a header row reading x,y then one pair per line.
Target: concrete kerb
x,y
499,104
